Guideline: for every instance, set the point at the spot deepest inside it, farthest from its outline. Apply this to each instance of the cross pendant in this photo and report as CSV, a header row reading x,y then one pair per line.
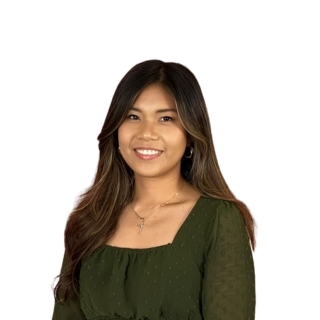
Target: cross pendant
x,y
141,225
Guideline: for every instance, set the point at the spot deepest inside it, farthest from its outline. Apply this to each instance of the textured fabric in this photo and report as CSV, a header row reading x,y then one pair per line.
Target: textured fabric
x,y
206,273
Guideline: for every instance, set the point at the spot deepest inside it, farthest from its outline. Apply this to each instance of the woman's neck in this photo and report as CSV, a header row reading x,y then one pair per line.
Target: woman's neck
x,y
151,192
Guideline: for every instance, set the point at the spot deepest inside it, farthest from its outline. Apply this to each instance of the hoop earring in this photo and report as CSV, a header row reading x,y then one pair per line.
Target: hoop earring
x,y
191,153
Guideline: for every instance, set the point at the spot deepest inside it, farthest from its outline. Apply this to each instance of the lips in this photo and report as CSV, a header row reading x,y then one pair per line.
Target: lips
x,y
147,153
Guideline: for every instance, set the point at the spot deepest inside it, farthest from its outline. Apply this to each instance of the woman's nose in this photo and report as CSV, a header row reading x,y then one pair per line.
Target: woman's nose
x,y
147,131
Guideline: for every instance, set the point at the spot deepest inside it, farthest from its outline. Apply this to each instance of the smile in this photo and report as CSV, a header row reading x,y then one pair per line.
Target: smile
x,y
148,152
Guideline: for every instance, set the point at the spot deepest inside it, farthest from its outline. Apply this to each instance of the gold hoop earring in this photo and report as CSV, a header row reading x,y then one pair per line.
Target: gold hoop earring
x,y
191,153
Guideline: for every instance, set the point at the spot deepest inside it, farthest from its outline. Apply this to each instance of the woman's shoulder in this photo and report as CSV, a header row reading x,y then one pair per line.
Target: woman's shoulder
x,y
217,213
216,205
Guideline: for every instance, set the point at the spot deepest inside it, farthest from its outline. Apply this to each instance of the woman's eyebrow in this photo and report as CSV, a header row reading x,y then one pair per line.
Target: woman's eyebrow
x,y
166,110
158,111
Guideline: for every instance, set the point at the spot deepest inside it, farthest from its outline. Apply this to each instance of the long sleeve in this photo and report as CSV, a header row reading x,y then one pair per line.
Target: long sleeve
x,y
70,309
229,278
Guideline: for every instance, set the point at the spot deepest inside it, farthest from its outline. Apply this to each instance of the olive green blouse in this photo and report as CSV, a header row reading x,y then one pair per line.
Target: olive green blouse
x,y
207,272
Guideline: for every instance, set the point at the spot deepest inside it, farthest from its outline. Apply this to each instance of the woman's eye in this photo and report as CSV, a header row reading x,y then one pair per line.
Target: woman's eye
x,y
132,117
165,119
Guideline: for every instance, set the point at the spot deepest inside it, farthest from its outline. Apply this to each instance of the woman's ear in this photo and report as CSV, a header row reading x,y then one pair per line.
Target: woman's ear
x,y
189,141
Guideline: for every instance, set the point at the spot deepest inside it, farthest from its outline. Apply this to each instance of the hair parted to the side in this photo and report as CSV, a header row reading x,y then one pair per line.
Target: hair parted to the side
x,y
94,219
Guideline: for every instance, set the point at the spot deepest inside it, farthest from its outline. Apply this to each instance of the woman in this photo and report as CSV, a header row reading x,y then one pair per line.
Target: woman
x,y
159,235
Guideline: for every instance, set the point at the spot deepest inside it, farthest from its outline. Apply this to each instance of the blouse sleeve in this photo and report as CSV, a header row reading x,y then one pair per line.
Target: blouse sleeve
x,y
70,309
229,278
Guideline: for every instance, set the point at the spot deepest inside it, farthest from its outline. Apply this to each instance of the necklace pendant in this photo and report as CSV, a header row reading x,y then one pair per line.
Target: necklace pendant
x,y
141,225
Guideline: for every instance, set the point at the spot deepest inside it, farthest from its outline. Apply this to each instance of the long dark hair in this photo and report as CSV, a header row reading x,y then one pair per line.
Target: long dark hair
x,y
94,219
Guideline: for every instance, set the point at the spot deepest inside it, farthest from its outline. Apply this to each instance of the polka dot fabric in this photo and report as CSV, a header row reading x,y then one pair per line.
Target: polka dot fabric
x,y
206,273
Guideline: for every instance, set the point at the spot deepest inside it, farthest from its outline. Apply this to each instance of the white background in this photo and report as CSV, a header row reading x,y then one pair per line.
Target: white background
x,y
258,65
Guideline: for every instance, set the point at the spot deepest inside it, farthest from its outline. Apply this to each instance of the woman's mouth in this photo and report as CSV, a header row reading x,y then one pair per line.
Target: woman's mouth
x,y
147,154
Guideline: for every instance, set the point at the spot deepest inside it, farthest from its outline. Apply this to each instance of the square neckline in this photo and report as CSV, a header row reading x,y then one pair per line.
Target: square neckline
x,y
190,214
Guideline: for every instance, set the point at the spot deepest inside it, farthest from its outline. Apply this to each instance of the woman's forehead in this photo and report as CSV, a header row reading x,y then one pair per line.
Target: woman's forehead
x,y
154,97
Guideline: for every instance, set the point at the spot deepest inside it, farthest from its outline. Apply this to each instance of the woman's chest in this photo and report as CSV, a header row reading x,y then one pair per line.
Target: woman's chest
x,y
136,280
149,232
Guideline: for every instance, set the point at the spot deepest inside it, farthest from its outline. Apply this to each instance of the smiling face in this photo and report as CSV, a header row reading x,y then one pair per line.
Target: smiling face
x,y
152,138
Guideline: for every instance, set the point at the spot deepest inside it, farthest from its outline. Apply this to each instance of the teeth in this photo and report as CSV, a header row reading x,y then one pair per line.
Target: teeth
x,y
148,152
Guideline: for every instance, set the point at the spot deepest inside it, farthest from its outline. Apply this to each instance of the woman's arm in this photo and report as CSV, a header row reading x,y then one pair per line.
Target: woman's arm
x,y
229,278
70,309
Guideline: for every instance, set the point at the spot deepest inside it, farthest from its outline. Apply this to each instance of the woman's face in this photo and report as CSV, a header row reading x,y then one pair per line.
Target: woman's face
x,y
152,139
